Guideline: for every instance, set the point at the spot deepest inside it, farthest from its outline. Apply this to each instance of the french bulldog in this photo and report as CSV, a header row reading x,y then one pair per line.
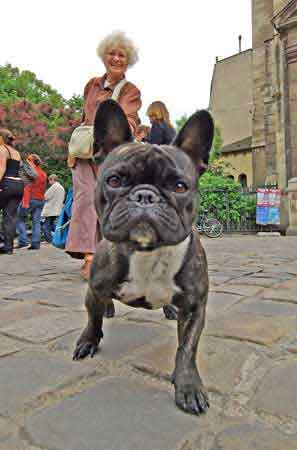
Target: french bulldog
x,y
151,255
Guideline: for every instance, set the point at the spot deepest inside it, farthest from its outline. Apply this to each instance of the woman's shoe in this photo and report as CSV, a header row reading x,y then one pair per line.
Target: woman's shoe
x,y
21,245
3,251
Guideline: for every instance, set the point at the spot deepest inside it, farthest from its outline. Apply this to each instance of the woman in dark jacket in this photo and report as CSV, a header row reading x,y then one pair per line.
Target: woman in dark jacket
x,y
162,131
11,187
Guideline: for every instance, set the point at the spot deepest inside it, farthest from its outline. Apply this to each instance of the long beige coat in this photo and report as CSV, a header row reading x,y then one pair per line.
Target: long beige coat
x,y
84,230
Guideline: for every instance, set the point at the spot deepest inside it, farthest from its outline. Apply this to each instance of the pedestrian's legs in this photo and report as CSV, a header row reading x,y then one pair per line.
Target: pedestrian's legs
x,y
53,223
47,229
36,208
9,222
21,226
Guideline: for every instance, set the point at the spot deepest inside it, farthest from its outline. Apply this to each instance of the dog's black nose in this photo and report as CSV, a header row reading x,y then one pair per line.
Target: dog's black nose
x,y
144,197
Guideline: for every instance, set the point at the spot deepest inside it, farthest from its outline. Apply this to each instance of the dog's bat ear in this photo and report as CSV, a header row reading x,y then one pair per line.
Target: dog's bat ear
x,y
111,128
195,138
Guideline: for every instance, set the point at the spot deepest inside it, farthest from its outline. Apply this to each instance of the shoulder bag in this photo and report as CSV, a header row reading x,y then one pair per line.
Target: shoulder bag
x,y
27,173
82,140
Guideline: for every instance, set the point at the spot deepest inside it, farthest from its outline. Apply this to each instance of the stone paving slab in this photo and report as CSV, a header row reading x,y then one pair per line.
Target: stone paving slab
x,y
48,327
138,416
7,428
12,312
254,436
51,297
8,290
261,330
282,293
257,281
272,275
219,373
243,290
27,375
147,316
277,392
219,302
119,339
8,346
14,443
265,308
217,279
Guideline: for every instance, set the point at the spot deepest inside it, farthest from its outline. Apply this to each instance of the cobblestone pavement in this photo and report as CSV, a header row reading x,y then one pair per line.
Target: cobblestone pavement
x,y
122,399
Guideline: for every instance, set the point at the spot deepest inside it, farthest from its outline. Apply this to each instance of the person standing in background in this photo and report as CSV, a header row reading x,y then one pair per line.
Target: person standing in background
x,y
142,133
32,203
11,188
162,131
53,204
118,53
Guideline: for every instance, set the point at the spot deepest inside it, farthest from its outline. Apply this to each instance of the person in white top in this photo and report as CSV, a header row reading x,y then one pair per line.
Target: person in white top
x,y
54,199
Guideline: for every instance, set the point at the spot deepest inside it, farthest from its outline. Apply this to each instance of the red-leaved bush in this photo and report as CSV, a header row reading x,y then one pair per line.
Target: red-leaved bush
x,y
40,128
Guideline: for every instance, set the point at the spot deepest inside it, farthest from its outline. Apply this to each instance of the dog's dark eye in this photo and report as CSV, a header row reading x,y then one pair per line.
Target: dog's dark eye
x,y
180,187
114,182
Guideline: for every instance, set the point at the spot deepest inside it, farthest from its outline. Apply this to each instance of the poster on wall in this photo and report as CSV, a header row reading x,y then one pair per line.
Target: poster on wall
x,y
268,206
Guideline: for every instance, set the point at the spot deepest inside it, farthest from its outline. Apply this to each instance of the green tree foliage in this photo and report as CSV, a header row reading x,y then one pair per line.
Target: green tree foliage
x,y
216,149
180,122
39,116
220,193
223,196
19,85
76,103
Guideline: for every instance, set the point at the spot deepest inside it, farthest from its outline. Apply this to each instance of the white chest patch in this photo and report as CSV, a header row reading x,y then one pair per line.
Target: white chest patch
x,y
151,275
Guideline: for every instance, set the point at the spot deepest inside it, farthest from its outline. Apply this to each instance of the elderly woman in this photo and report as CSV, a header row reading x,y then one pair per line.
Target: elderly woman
x,y
118,53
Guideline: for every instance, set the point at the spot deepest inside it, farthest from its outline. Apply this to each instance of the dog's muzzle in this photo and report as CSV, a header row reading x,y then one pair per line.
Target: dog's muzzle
x,y
144,198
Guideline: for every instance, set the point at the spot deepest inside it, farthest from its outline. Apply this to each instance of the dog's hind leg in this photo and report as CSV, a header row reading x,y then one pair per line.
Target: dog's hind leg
x,y
190,394
170,312
109,310
89,340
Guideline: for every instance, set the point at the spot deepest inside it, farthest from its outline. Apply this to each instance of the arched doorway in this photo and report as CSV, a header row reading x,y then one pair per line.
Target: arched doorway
x,y
242,179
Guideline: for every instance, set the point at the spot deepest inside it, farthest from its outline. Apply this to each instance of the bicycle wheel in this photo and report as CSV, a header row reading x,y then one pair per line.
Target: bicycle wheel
x,y
212,228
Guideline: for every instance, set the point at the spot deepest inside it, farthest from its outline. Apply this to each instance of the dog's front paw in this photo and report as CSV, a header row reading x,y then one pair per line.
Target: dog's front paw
x,y
84,349
191,398
87,344
190,394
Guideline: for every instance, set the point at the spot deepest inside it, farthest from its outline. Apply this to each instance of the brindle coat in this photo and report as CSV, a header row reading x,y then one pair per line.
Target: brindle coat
x,y
150,255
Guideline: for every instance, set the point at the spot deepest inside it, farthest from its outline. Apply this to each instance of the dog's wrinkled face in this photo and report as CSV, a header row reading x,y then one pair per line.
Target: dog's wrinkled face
x,y
146,194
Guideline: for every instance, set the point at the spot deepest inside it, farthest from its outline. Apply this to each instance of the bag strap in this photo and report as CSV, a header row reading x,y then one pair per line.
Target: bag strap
x,y
118,88
91,162
6,148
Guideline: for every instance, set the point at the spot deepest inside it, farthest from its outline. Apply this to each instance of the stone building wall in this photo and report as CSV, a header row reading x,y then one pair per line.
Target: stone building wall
x,y
231,97
240,163
254,94
275,90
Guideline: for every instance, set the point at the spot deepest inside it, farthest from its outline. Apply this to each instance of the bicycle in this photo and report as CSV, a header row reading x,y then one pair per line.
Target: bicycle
x,y
210,226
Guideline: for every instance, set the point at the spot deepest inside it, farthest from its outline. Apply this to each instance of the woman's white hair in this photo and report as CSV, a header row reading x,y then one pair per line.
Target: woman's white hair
x,y
118,39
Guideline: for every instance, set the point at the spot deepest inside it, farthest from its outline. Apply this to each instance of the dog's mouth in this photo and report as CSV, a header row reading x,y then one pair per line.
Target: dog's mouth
x,y
144,234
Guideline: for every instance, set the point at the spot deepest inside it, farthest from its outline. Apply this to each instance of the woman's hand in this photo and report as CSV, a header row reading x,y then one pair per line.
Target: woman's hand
x,y
71,162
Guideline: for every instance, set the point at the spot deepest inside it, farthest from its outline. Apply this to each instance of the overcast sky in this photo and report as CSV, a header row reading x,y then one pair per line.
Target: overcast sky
x,y
177,40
